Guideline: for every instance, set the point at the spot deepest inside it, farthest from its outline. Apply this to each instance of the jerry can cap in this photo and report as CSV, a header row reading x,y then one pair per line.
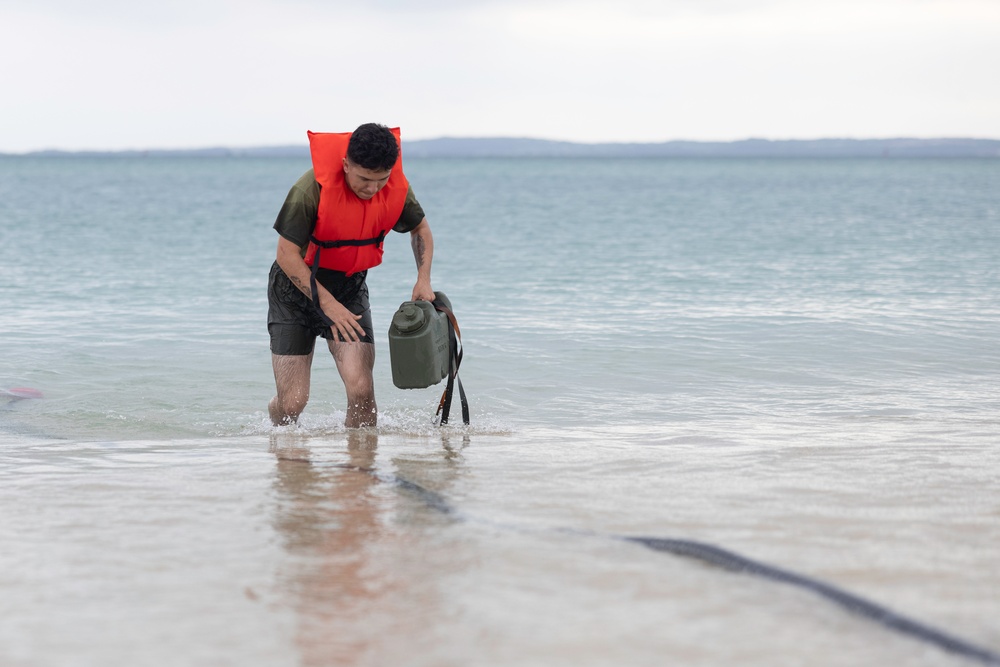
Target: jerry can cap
x,y
408,318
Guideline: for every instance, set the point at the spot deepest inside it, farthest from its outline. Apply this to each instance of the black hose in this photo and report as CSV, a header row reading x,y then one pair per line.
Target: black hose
x,y
733,562
856,605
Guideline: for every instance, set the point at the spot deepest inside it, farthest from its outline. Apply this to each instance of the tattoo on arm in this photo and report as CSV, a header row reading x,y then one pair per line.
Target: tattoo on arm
x,y
302,288
419,250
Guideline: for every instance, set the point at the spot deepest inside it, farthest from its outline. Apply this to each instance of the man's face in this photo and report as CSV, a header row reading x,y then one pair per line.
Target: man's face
x,y
365,183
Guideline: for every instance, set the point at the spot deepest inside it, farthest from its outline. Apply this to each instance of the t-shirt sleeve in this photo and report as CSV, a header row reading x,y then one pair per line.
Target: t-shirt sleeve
x,y
412,215
297,217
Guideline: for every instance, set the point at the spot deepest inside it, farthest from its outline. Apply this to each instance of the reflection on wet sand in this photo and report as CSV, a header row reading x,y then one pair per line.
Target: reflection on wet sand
x,y
364,560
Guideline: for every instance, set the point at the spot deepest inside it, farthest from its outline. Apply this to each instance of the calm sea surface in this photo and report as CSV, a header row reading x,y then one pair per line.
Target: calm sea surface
x,y
793,360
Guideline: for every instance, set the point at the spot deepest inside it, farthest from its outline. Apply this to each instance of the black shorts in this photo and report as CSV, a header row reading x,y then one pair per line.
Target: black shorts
x,y
294,322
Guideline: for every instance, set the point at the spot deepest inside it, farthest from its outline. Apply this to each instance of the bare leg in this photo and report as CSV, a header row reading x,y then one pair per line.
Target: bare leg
x,y
291,377
355,362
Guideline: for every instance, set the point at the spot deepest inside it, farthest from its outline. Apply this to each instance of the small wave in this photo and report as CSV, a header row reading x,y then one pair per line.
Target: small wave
x,y
405,422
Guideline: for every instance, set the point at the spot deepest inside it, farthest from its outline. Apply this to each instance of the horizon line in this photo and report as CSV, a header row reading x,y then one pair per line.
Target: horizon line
x,y
554,143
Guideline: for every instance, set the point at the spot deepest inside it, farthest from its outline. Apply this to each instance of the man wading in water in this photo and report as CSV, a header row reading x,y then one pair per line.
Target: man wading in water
x,y
331,228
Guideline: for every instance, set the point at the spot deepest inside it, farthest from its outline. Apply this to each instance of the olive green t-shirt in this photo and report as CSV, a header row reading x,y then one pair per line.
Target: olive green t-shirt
x,y
297,217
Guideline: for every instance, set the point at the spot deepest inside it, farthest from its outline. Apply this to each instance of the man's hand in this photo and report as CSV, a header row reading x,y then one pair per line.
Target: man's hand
x,y
423,291
345,323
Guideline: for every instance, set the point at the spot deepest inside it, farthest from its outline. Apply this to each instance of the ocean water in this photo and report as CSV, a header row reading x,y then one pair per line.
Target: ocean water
x,y
792,360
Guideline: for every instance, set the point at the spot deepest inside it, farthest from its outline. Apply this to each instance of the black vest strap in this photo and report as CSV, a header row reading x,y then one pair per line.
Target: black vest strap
x,y
347,242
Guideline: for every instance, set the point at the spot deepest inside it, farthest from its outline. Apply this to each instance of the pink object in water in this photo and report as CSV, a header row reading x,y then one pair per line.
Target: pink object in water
x,y
21,392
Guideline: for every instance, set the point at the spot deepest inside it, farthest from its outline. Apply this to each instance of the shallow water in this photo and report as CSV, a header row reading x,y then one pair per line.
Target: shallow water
x,y
793,360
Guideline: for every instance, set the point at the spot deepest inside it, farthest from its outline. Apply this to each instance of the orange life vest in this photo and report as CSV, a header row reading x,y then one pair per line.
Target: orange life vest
x,y
349,230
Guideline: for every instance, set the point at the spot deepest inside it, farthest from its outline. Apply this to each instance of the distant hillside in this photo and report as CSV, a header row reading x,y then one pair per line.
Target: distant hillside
x,y
513,147
448,147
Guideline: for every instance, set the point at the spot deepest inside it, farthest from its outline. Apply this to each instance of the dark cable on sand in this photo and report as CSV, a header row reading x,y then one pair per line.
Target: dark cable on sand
x,y
733,562
856,605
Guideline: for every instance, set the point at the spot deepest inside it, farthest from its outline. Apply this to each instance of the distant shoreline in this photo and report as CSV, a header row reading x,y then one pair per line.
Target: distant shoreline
x,y
448,147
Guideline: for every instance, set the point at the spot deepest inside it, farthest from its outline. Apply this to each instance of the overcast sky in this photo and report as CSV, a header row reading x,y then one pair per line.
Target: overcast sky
x,y
115,74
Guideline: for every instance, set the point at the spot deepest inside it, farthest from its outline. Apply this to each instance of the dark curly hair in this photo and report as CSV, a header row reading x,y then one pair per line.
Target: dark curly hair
x,y
373,146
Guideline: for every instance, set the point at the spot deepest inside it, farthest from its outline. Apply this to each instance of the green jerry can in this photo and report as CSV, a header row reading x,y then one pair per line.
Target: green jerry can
x,y
418,344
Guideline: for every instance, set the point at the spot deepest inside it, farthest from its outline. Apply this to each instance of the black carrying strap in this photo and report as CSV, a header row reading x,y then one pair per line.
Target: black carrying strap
x,y
315,265
455,352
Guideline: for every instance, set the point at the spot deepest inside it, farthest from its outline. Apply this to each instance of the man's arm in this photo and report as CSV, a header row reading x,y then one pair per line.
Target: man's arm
x,y
422,243
344,321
